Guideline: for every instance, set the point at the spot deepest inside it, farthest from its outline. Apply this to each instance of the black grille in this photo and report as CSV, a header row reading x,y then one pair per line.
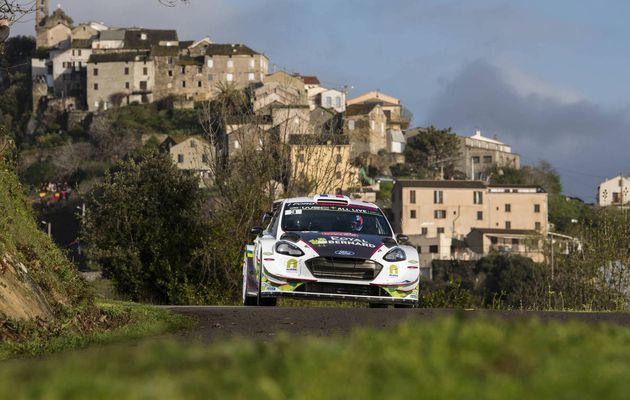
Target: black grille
x,y
343,268
340,288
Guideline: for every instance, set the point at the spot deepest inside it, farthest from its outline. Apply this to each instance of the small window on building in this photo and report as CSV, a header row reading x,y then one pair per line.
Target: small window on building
x,y
439,214
494,240
96,86
419,249
433,249
382,127
95,71
372,124
252,63
180,158
478,197
170,60
508,225
424,231
210,63
183,84
145,71
537,226
338,158
230,64
328,101
438,197
514,242
237,144
479,215
170,72
193,144
338,101
199,84
199,69
338,174
487,159
251,76
536,208
126,70
412,196
229,77
412,214
204,158
126,85
440,230
210,78
351,125
476,160
508,208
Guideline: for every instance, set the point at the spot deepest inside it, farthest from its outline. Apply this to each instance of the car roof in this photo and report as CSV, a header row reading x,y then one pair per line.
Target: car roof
x,y
351,202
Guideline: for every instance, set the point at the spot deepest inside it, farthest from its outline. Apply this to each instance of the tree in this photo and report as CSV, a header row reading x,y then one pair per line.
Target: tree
x,y
146,227
432,152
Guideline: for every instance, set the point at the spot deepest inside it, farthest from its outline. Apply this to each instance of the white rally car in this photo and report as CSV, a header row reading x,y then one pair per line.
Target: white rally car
x,y
329,247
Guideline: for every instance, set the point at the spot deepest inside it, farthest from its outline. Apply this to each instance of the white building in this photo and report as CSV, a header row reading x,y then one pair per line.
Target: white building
x,y
614,192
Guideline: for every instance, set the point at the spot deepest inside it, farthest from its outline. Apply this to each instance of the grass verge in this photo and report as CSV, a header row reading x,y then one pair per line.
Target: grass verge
x,y
110,321
447,358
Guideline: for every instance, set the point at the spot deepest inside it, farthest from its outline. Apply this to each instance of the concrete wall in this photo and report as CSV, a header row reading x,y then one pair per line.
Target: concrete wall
x,y
111,79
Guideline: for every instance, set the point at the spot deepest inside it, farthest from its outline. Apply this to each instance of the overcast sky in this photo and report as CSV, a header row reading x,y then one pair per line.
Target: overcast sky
x,y
549,78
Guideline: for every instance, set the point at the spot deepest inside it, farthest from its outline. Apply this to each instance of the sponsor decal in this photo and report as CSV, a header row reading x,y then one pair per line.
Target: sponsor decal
x,y
318,242
413,261
292,265
295,211
344,253
348,234
393,270
267,253
340,240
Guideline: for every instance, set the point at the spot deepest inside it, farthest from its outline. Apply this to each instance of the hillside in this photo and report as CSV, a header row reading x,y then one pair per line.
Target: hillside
x,y
36,280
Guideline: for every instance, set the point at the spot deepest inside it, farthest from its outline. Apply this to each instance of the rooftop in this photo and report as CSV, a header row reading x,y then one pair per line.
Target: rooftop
x,y
147,38
359,109
441,184
216,49
319,140
119,57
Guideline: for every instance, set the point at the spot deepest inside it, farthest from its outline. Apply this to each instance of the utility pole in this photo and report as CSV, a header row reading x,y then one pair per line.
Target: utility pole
x,y
552,260
472,167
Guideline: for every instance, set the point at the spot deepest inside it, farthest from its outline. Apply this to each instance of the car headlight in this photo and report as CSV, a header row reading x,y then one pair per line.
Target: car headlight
x,y
395,255
288,249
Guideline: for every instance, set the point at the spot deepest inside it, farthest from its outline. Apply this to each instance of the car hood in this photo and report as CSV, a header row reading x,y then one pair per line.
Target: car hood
x,y
341,244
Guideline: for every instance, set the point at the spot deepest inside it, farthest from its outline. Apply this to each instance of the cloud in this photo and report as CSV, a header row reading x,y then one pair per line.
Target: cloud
x,y
585,141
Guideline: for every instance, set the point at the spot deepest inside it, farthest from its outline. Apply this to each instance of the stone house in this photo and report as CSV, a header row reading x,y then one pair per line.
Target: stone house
x,y
478,154
366,124
50,30
193,155
614,192
390,105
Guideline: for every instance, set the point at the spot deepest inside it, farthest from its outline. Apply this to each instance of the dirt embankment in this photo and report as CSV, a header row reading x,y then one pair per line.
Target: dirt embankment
x,y
20,297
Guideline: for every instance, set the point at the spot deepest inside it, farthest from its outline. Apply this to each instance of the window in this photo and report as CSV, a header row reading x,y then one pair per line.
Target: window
x,y
419,248
78,52
382,127
424,231
478,197
230,64
96,86
126,70
193,144
145,71
438,197
143,85
338,101
536,208
508,208
204,158
487,159
494,240
199,69
412,196
199,84
476,160
433,249
328,101
508,225
170,72
126,85
250,76
252,63
351,125
183,69
537,226
237,144
479,215
439,214
95,71
514,242
210,63
440,230
229,77
170,60
372,124
73,52
412,214
338,175
338,159
183,84
180,158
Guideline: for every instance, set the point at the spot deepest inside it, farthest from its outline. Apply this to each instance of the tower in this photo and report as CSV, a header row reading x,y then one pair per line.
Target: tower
x,y
41,11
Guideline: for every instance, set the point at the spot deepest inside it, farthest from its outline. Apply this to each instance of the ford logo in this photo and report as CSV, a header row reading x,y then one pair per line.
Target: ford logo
x,y
344,253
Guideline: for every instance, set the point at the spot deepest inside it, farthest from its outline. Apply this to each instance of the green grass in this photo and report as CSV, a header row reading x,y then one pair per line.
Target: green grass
x,y
447,359
110,321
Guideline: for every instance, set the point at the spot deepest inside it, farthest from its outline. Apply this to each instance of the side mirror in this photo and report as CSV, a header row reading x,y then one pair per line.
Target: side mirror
x,y
256,231
266,217
402,238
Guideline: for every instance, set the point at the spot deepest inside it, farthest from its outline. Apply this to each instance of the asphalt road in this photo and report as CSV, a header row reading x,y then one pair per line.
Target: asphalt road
x,y
265,322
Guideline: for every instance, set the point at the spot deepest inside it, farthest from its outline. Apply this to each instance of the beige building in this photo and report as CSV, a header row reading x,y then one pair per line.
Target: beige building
x,y
321,164
478,154
390,105
614,192
50,30
464,219
194,155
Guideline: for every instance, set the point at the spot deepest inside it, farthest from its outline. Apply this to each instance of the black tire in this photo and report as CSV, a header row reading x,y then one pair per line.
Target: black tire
x,y
268,302
404,306
378,305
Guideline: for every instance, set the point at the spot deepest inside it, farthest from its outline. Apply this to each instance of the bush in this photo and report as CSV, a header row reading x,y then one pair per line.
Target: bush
x,y
41,171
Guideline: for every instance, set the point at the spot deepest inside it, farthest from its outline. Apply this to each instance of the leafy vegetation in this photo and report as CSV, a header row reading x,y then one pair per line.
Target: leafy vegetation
x,y
147,228
430,153
450,358
108,322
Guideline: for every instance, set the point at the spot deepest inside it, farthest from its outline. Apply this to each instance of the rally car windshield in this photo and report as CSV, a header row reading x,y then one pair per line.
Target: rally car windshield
x,y
334,218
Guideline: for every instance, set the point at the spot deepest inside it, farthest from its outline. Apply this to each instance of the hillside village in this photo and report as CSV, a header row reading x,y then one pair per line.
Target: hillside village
x,y
354,146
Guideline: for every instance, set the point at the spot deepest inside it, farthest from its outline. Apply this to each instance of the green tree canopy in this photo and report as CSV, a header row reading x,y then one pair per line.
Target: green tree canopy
x,y
431,150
